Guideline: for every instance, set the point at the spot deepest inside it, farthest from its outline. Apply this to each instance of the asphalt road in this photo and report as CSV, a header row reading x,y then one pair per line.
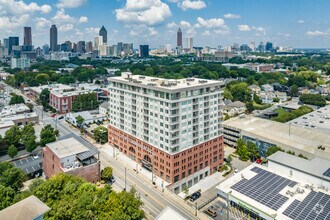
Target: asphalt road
x,y
154,201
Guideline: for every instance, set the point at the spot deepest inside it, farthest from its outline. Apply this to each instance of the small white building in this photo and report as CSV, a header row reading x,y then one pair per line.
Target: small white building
x,y
104,108
268,97
21,63
234,108
72,117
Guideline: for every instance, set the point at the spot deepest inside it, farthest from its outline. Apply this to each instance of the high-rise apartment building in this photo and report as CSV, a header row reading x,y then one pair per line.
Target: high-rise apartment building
x,y
27,36
128,48
179,38
103,32
144,51
53,38
171,127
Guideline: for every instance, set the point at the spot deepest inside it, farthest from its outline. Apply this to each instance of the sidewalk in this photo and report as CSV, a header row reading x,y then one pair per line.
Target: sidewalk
x,y
146,175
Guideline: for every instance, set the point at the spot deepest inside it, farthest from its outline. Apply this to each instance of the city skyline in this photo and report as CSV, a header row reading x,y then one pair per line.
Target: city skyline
x,y
155,22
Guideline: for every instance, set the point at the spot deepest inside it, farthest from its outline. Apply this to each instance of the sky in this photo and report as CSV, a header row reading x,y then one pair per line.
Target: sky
x,y
291,23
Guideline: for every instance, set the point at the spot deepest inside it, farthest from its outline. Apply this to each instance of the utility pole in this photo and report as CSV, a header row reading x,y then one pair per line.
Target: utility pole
x,y
125,179
152,168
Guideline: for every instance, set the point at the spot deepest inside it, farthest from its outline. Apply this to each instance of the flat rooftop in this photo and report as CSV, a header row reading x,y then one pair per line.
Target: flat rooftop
x,y
317,120
63,93
280,134
166,84
277,196
316,166
67,147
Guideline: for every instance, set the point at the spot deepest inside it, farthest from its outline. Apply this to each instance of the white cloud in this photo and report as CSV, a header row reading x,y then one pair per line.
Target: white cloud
x,y
66,27
61,17
149,12
71,3
152,31
221,31
206,33
14,22
301,21
171,25
12,7
42,23
260,29
83,19
185,24
211,23
232,16
316,33
133,33
92,30
244,27
192,4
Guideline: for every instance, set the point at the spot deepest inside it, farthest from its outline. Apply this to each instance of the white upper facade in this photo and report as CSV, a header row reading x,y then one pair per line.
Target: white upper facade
x,y
172,115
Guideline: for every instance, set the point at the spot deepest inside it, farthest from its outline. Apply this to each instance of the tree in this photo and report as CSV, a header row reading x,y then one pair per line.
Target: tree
x,y
273,149
253,150
71,197
11,176
44,98
101,134
256,98
12,151
229,160
6,195
313,99
42,78
47,135
249,107
85,102
80,120
16,99
240,92
28,138
244,153
294,91
107,173
13,135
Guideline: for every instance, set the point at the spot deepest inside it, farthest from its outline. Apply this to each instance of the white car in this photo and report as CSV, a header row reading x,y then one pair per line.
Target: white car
x,y
236,171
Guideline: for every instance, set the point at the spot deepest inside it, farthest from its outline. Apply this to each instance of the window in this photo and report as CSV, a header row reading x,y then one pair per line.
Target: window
x,y
183,175
176,178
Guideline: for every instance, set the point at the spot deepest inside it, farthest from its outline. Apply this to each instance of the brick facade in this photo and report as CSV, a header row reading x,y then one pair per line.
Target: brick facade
x,y
171,168
52,166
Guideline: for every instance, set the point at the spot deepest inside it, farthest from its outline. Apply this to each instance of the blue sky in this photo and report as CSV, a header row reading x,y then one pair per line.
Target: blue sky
x,y
295,23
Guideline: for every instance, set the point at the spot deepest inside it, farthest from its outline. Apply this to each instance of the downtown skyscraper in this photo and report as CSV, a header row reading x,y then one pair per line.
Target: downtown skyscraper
x,y
103,32
179,38
27,36
53,38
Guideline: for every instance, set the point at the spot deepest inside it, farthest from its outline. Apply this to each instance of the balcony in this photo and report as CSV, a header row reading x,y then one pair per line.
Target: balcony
x,y
195,107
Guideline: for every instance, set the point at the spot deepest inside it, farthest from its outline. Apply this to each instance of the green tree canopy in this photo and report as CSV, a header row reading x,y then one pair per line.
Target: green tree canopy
x,y
85,102
273,149
28,138
101,134
42,78
44,98
12,151
80,120
16,99
11,176
13,135
71,197
107,173
47,135
313,99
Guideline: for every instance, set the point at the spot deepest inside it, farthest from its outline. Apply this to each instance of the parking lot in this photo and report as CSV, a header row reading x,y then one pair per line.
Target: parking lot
x,y
220,208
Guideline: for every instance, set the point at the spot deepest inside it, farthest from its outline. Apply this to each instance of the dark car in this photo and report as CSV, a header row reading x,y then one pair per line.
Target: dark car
x,y
61,117
195,196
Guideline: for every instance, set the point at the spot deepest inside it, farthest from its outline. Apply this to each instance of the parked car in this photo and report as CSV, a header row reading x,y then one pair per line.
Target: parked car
x,y
211,212
61,117
195,196
259,161
98,123
53,115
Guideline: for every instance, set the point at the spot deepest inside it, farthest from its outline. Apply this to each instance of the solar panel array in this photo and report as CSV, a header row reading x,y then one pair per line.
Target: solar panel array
x,y
264,188
327,173
316,205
